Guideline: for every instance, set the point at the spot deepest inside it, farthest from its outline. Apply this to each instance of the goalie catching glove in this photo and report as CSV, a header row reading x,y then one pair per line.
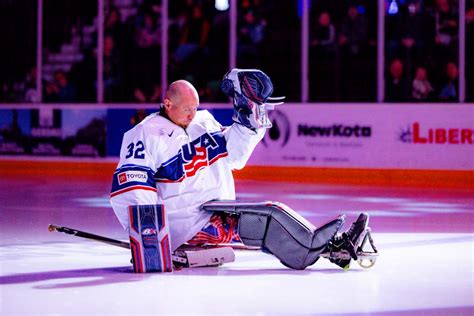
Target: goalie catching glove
x,y
250,89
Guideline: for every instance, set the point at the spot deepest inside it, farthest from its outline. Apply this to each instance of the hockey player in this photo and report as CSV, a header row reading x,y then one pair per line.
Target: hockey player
x,y
183,159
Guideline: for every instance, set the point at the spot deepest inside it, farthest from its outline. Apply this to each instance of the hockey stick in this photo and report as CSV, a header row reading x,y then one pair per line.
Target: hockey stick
x,y
78,233
126,245
213,257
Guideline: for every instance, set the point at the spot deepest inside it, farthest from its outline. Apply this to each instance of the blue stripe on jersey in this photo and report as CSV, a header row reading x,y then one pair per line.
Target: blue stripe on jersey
x,y
132,175
171,170
201,152
135,167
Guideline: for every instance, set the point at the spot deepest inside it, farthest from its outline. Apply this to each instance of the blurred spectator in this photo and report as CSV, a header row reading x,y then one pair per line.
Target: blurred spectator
x,y
146,58
192,56
357,67
395,85
31,94
415,34
21,90
113,26
194,35
322,61
51,93
212,92
60,89
84,77
18,29
218,48
139,116
65,90
421,87
147,93
323,36
446,23
470,25
449,91
353,35
469,71
6,92
148,33
12,92
178,16
250,36
245,5
446,28
112,71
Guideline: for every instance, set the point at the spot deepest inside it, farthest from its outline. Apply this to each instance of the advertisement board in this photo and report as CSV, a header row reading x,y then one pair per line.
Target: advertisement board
x,y
53,132
398,136
369,136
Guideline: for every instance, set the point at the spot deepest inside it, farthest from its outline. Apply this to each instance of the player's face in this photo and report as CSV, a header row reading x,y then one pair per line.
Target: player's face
x,y
182,111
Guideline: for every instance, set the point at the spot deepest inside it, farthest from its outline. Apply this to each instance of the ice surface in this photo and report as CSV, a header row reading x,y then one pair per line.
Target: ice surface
x,y
425,264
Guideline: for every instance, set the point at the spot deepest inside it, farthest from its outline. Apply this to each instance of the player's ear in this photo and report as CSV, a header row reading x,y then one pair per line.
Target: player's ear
x,y
167,103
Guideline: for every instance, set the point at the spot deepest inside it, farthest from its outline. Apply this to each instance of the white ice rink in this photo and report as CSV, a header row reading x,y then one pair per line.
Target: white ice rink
x,y
425,265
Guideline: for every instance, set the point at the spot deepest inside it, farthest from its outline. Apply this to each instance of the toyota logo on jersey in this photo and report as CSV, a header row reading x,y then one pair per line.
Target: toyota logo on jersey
x,y
132,176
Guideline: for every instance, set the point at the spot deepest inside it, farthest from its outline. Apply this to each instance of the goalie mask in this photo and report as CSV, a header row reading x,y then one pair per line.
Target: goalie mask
x,y
250,90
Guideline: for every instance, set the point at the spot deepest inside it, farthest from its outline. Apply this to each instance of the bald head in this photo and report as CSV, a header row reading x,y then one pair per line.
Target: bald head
x,y
181,102
179,89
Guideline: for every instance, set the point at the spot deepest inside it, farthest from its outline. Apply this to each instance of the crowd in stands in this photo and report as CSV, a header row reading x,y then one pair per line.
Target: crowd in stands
x,y
269,38
132,52
342,44
17,57
421,51
469,70
198,46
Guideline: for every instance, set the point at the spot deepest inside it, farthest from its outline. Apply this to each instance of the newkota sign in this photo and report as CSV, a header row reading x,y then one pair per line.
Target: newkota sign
x,y
408,136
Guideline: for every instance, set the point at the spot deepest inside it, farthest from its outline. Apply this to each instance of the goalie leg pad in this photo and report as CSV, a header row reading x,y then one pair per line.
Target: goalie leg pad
x,y
149,239
278,229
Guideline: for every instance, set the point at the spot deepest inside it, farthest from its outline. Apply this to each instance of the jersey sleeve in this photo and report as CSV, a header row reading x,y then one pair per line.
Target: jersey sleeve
x,y
241,142
133,181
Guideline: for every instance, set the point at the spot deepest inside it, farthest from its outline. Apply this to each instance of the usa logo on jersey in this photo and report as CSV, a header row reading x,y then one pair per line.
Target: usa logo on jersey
x,y
192,157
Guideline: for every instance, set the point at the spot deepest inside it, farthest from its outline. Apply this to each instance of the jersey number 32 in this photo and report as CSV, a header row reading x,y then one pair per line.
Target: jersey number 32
x,y
136,150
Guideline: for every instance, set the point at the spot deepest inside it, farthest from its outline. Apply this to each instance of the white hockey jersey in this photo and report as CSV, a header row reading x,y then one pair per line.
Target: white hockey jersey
x,y
162,163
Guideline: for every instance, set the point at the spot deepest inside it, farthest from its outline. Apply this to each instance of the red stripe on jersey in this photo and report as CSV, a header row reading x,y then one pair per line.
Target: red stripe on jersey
x,y
170,181
198,166
213,160
135,187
